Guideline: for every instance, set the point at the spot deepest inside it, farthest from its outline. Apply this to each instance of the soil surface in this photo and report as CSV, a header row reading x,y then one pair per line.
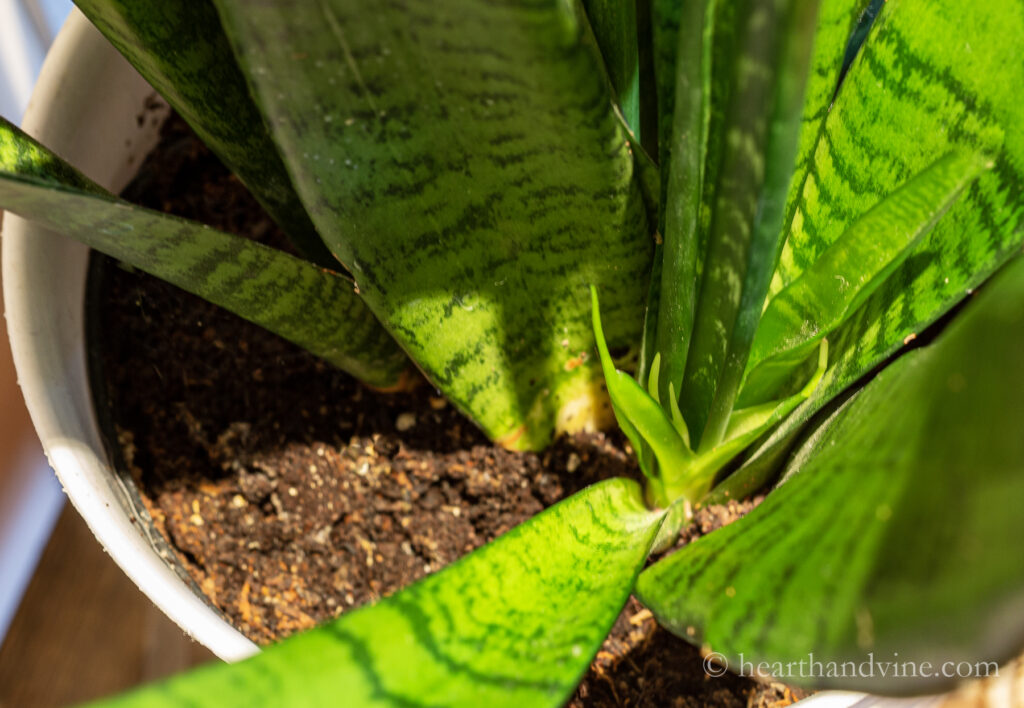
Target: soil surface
x,y
292,493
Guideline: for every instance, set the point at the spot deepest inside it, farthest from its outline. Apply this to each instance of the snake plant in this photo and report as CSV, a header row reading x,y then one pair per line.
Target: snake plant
x,y
762,202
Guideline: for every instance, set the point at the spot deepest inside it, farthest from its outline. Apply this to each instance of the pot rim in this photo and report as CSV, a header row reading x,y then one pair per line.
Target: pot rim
x,y
85,107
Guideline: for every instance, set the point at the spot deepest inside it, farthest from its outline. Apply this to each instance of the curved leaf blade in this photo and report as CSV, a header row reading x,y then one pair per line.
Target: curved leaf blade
x,y
306,304
180,48
851,269
466,163
516,623
896,532
931,77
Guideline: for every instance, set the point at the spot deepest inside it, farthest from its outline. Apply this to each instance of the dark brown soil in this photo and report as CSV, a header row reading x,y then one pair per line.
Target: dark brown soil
x,y
292,493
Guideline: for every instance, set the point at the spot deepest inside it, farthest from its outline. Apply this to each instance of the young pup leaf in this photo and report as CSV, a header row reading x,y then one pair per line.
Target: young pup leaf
x,y
308,305
748,424
516,623
896,535
641,418
180,48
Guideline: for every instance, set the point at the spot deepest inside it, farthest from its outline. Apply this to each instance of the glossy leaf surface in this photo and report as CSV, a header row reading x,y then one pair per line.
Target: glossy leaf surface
x,y
515,623
748,424
931,77
897,532
308,305
465,162
180,48
679,32
851,269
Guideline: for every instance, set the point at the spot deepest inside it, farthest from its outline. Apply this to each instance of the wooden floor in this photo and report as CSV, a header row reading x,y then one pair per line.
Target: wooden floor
x,y
84,630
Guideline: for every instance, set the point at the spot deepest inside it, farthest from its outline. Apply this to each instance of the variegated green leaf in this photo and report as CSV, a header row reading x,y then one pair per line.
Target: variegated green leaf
x,y
749,211
896,537
851,269
683,154
678,29
180,48
931,77
309,305
837,21
515,623
465,162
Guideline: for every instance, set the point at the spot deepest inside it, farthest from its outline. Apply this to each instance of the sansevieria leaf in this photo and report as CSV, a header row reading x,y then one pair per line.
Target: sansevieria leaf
x,y
642,420
515,623
614,26
465,162
180,48
309,305
931,78
851,269
746,231
896,535
838,21
694,140
687,79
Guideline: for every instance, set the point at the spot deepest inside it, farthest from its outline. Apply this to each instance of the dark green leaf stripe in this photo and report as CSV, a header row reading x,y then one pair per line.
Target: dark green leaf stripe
x,y
464,161
180,48
898,531
931,77
515,623
309,305
860,33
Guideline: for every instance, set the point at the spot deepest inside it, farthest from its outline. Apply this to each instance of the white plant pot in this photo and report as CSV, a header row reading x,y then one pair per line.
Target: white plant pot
x,y
86,107
95,111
